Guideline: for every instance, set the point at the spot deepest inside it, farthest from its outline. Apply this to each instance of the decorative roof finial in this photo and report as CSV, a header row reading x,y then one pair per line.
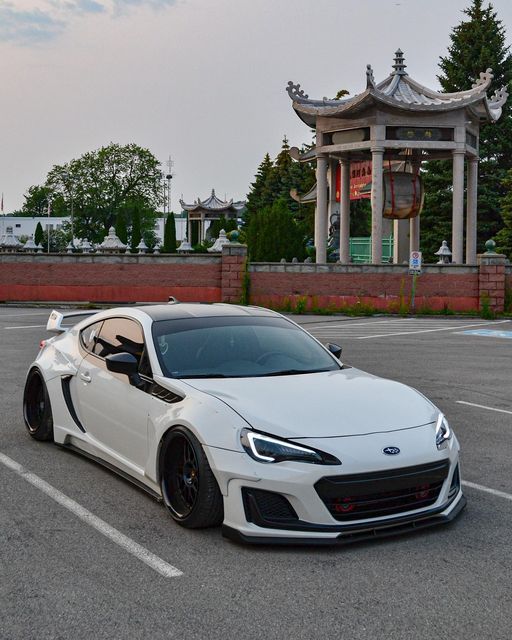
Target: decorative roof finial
x,y
213,193
295,92
370,80
484,80
399,66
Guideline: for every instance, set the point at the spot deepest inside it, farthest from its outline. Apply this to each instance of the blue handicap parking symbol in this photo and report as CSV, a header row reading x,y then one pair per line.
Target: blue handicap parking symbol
x,y
489,333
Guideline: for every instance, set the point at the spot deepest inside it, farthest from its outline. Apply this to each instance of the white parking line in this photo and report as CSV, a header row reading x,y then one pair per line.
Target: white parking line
x,y
483,406
494,492
28,326
136,550
406,333
22,315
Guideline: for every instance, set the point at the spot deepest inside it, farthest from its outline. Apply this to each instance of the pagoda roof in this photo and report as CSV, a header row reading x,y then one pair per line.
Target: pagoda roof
x,y
309,196
403,93
213,203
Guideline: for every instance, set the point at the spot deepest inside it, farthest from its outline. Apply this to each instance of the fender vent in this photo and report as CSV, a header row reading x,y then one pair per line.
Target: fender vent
x,y
164,394
66,392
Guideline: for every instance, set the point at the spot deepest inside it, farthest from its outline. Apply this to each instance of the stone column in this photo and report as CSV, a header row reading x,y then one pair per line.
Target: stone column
x,y
234,261
400,241
189,228
458,207
345,211
202,231
377,204
491,280
414,234
321,224
472,191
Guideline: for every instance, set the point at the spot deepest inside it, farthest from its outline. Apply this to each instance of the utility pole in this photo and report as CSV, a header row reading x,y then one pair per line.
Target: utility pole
x,y
169,177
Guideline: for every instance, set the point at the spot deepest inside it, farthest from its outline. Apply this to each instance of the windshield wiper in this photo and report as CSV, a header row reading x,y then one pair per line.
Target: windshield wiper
x,y
293,372
203,375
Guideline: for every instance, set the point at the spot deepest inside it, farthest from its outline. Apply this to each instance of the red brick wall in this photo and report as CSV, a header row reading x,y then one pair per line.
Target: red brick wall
x,y
456,288
109,278
234,258
132,278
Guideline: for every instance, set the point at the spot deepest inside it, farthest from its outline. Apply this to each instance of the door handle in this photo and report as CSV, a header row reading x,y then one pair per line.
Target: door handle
x,y
85,377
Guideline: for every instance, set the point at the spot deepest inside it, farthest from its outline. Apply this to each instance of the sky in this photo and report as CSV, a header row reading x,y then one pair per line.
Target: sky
x,y
200,81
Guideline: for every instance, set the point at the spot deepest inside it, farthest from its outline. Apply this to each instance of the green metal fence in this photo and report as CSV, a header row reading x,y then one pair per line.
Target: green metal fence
x,y
361,250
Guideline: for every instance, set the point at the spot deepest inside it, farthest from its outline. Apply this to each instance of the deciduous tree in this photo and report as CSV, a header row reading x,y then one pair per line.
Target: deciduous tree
x,y
101,184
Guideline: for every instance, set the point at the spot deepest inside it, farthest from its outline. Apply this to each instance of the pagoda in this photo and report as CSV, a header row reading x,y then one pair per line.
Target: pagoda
x,y
209,210
396,121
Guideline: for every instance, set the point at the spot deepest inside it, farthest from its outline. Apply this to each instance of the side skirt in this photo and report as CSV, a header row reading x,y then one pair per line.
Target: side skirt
x,y
111,467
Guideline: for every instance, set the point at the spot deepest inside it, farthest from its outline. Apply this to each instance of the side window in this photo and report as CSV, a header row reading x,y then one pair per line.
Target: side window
x,y
89,334
119,335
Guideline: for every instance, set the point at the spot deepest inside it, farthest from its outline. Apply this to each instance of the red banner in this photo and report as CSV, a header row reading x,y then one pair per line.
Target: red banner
x,y
360,180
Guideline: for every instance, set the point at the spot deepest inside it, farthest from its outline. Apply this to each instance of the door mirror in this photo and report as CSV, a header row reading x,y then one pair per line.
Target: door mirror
x,y
335,349
124,363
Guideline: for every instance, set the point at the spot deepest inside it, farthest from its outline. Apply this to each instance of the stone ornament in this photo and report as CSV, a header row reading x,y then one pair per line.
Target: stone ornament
x,y
111,243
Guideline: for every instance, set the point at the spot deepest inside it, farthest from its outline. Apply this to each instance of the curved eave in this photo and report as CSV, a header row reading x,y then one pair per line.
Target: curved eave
x,y
309,113
304,198
197,207
476,92
487,111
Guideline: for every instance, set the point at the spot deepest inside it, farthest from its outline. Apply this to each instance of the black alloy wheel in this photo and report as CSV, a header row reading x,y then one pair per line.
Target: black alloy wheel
x,y
189,488
37,410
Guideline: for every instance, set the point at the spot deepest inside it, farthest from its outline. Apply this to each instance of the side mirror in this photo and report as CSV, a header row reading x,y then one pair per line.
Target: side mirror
x,y
125,363
335,349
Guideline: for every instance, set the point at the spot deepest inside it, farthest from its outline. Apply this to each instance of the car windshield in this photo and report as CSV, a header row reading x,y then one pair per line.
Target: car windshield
x,y
235,347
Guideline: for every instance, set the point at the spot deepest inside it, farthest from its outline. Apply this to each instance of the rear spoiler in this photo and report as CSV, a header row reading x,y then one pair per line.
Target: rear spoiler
x,y
56,318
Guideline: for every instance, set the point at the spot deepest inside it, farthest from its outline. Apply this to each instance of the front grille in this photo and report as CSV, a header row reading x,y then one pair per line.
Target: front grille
x,y
384,493
266,506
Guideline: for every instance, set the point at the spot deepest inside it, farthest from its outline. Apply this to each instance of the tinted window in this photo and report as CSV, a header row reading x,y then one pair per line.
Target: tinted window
x,y
119,335
89,334
237,347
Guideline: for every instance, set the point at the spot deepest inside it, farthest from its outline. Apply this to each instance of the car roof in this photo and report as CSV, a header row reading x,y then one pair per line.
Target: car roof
x,y
182,310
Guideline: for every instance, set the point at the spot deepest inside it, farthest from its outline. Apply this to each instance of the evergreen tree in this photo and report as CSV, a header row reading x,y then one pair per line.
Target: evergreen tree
x,y
260,195
170,234
228,224
194,230
273,234
504,237
38,234
273,183
477,43
121,228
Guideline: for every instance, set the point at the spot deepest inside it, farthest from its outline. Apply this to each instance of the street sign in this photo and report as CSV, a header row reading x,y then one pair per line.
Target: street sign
x,y
415,263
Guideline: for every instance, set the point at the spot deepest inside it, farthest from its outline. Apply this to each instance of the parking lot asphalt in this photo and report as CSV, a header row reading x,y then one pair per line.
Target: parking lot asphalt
x,y
61,578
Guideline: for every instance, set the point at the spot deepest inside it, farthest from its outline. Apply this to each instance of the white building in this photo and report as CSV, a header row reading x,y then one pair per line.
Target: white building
x,y
23,226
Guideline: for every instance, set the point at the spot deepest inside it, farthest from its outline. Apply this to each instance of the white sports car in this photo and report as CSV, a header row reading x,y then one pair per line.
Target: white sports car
x,y
236,415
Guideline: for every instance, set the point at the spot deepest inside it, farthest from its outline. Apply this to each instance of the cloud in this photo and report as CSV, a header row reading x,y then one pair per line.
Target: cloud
x,y
46,20
28,26
88,6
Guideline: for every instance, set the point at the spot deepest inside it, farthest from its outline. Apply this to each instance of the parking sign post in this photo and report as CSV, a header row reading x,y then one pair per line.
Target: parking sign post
x,y
415,271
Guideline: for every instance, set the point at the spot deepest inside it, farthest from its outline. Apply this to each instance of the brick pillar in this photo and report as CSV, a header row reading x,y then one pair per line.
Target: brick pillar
x,y
491,280
234,259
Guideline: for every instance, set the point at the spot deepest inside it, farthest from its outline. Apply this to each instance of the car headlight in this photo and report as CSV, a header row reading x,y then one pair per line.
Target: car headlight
x,y
443,431
265,448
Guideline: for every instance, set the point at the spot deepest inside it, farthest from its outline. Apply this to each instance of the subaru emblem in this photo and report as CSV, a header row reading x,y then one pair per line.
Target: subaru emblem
x,y
391,451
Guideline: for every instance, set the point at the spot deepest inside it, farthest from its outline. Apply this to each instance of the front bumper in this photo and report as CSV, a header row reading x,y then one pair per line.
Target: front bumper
x,y
311,534
310,519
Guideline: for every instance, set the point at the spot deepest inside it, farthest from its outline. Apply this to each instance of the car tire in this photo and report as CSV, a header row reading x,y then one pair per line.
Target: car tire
x,y
37,409
189,488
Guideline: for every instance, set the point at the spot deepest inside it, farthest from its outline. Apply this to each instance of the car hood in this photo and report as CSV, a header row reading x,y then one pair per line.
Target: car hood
x,y
321,405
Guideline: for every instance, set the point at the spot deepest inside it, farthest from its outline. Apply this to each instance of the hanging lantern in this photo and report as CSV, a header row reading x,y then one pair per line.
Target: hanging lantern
x,y
403,195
